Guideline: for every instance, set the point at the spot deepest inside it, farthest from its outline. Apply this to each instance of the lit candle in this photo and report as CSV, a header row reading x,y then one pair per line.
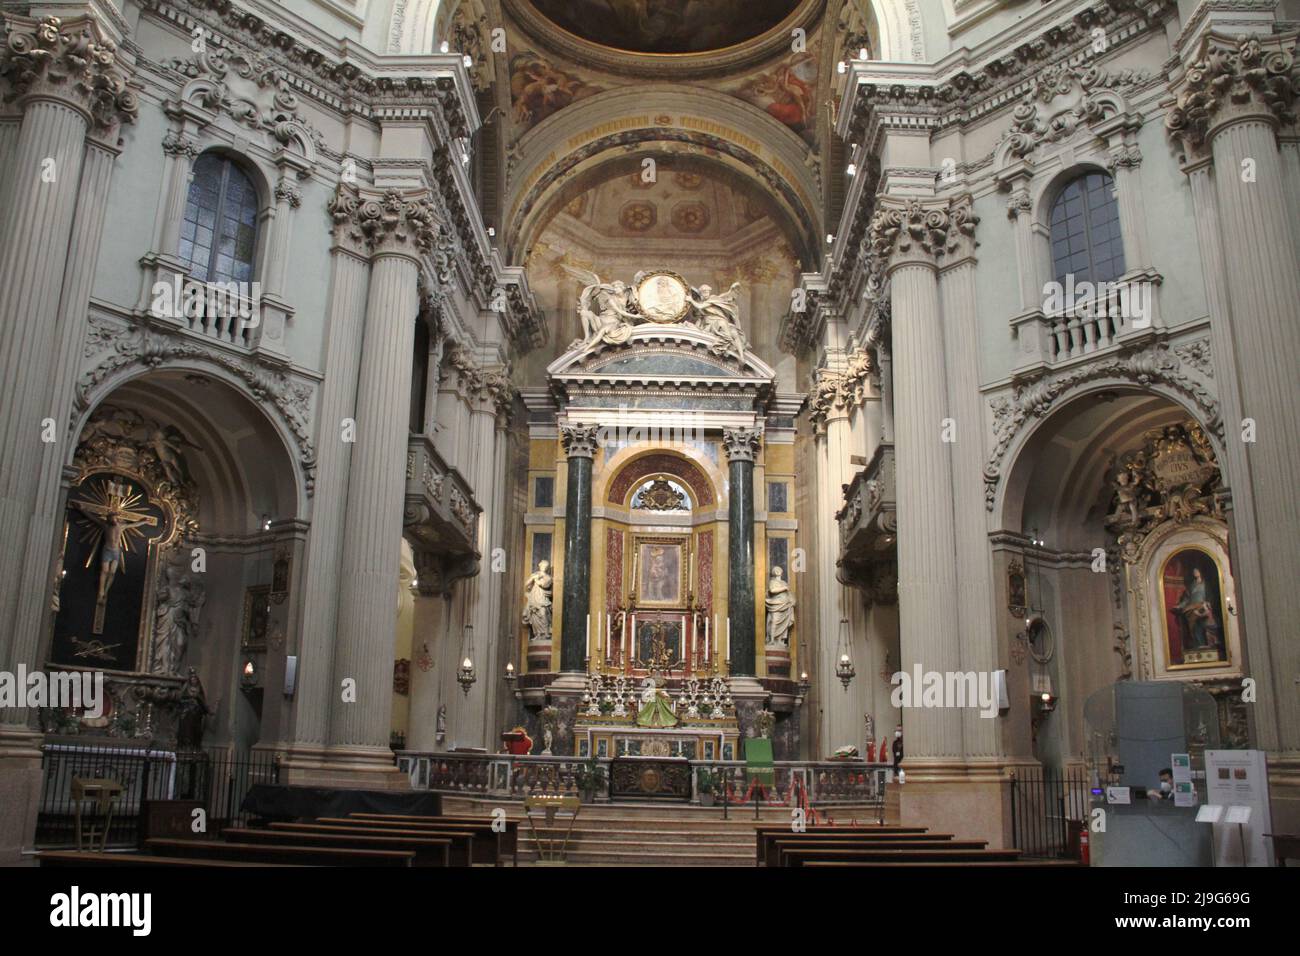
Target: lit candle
x,y
706,640
609,633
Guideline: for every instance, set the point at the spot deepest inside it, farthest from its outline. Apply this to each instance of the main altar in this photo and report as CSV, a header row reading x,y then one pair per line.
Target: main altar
x,y
658,616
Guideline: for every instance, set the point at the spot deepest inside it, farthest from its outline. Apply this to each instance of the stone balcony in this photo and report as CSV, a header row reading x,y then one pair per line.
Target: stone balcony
x,y
869,528
440,517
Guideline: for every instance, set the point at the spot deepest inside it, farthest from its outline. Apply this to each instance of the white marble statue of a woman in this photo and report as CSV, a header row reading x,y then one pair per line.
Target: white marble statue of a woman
x,y
537,609
780,610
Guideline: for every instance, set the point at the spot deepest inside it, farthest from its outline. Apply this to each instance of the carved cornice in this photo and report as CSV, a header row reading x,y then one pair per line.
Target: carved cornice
x,y
1035,400
334,77
250,89
1232,77
579,440
963,91
72,62
913,230
741,444
1042,117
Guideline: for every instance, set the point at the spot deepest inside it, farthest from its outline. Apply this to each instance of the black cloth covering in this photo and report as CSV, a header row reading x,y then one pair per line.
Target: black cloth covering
x,y
275,802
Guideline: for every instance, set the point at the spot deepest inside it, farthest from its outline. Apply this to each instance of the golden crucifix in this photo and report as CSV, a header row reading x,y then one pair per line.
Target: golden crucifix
x,y
111,511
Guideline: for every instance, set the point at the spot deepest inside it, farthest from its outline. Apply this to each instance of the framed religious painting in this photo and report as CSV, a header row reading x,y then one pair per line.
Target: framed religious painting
x,y
659,569
257,618
1185,603
125,600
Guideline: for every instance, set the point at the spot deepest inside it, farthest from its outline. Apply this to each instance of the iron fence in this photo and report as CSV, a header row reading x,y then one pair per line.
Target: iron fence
x,y
217,777
1048,806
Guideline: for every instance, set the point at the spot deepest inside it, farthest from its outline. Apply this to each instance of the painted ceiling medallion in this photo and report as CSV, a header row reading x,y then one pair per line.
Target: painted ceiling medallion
x,y
690,217
662,297
666,26
637,216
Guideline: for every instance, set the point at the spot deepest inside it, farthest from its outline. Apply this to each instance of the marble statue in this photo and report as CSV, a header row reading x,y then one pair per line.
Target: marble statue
x,y
605,309
780,610
537,610
192,713
177,608
440,725
719,315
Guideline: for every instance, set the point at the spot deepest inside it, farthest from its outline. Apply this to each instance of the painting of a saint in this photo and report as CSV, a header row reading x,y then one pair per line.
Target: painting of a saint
x,y
1192,591
660,574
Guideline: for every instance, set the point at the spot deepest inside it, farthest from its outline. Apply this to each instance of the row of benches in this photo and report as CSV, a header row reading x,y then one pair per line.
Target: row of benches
x,y
360,839
877,846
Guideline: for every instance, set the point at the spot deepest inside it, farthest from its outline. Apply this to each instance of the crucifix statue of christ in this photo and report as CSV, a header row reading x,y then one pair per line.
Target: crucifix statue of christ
x,y
116,520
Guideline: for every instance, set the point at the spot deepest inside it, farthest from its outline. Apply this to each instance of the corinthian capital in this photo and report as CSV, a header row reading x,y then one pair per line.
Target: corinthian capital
x,y
579,440
72,62
1234,77
387,222
741,444
913,230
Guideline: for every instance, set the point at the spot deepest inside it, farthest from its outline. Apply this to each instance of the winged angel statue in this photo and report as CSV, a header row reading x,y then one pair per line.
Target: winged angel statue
x,y
609,310
606,312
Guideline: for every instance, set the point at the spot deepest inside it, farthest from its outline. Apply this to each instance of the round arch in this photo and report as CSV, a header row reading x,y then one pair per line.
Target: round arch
x,y
627,467
1058,465
609,125
246,468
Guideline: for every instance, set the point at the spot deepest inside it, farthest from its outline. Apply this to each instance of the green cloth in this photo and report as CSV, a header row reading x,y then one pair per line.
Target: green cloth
x,y
758,761
657,713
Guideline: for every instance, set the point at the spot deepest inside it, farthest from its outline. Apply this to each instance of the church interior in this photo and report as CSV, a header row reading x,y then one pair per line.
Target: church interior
x,y
521,432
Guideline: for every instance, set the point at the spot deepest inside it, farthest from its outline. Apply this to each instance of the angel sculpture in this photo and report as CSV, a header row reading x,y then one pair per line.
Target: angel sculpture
x,y
605,310
719,315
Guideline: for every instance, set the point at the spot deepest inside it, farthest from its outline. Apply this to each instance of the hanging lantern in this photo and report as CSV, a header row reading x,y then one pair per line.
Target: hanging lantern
x,y
844,667
465,675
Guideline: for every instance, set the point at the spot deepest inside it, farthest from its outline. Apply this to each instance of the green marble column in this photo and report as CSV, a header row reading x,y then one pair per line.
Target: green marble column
x,y
580,447
741,445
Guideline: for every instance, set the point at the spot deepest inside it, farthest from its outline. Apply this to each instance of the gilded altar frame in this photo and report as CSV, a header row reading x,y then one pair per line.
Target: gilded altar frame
x,y
1148,602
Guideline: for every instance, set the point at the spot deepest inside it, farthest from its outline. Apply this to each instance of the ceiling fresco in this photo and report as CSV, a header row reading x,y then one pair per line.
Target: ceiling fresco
x,y
666,26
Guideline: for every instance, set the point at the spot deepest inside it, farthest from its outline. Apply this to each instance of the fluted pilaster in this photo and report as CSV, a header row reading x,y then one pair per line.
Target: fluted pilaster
x,y
345,325
34,236
373,523
977,631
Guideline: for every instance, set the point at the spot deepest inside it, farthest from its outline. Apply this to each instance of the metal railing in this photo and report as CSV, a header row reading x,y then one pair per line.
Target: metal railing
x,y
217,777
1047,808
820,783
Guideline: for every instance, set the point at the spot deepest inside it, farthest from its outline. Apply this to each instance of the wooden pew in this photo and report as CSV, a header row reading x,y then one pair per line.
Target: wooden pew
x,y
824,864
79,858
777,847
429,850
798,856
490,844
461,852
273,853
763,835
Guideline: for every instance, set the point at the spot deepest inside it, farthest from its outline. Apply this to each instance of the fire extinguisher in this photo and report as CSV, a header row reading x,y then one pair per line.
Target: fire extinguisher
x,y
1085,856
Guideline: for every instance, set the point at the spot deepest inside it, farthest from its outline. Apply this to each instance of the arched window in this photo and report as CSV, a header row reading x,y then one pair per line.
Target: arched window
x,y
1085,231
219,234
